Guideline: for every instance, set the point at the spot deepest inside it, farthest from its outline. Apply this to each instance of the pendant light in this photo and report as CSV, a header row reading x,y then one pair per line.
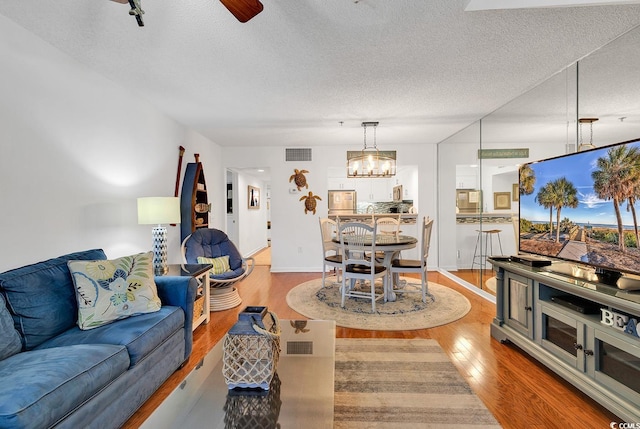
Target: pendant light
x,y
371,162
586,146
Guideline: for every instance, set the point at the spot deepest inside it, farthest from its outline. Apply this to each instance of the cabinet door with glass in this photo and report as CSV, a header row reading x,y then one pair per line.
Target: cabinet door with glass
x,y
613,360
562,334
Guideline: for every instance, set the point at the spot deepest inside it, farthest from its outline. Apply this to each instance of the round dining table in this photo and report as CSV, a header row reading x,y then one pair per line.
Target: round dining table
x,y
391,245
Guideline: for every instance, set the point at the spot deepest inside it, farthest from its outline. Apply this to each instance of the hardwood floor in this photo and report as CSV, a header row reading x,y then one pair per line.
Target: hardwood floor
x,y
519,392
473,277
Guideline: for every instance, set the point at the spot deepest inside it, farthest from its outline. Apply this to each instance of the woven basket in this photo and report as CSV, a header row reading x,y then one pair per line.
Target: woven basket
x,y
198,307
251,350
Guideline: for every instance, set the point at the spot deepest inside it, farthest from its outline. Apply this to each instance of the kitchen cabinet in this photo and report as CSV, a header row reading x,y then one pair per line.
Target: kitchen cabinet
x,y
466,177
337,183
374,190
466,182
407,176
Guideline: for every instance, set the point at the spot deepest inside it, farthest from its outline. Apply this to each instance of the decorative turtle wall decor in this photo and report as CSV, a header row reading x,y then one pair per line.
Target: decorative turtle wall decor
x,y
310,202
299,179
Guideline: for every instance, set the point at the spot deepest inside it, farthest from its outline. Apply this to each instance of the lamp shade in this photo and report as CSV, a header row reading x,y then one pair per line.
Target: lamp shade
x,y
158,210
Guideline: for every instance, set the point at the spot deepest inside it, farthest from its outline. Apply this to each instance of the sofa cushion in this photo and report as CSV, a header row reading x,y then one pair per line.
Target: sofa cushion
x,y
109,290
139,334
42,298
10,342
40,387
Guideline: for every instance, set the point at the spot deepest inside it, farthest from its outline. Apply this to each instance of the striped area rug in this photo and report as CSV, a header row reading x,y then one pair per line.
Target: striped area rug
x,y
398,383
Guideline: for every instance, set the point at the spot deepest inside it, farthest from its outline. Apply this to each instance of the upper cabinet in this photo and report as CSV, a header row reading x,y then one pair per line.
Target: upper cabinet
x,y
466,177
407,176
337,179
374,190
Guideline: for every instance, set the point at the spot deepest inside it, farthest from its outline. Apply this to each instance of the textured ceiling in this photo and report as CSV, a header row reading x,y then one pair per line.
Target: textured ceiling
x,y
308,72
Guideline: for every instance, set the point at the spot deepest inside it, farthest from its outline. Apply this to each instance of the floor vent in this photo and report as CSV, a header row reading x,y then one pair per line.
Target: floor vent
x,y
298,154
299,347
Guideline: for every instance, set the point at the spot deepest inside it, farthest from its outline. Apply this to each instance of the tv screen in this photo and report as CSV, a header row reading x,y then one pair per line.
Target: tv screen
x,y
576,207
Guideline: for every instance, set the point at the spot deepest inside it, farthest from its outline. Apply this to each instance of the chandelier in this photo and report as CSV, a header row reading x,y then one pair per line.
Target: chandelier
x,y
371,162
586,146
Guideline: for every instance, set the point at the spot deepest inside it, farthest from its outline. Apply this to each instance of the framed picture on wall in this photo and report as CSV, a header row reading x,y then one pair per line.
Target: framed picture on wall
x,y
515,192
254,198
502,200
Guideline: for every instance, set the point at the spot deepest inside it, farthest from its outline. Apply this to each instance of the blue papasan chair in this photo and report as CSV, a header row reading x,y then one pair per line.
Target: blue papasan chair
x,y
213,246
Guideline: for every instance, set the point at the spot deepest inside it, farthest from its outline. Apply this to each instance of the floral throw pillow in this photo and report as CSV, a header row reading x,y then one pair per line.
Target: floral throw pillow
x,y
108,290
220,265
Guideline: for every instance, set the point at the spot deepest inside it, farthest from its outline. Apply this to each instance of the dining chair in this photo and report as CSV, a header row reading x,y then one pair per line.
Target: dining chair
x,y
356,240
331,256
417,266
389,225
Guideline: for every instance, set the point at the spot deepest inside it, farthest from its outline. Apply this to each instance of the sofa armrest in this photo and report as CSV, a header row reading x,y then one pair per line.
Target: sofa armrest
x,y
180,292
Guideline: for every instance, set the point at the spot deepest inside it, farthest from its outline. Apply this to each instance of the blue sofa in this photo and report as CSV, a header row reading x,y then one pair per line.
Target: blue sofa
x,y
52,374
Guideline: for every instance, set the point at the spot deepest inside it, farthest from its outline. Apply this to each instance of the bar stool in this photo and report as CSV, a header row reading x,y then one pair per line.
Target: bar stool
x,y
488,246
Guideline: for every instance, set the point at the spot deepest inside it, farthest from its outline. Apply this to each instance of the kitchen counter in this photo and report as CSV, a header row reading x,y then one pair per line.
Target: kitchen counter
x,y
405,218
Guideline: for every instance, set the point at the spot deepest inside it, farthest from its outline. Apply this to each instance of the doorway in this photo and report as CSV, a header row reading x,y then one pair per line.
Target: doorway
x,y
247,225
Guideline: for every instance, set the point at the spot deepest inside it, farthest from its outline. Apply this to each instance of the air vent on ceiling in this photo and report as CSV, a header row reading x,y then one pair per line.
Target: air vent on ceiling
x,y
298,154
299,347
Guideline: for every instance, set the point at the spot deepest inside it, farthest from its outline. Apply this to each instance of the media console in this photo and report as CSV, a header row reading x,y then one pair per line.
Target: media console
x,y
584,331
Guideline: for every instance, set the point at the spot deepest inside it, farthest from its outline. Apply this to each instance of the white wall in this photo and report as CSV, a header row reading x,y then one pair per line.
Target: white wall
x,y
77,150
295,236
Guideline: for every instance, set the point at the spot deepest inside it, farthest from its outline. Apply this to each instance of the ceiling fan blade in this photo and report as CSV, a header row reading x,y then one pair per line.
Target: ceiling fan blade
x,y
243,10
136,10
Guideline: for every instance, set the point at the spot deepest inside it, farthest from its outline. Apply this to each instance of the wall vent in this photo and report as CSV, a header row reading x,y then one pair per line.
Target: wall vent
x,y
298,154
299,347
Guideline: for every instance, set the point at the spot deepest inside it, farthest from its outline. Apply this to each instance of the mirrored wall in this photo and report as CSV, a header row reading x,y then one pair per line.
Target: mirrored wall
x,y
478,199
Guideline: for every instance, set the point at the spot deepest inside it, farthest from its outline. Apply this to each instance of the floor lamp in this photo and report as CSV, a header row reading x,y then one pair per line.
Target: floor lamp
x,y
159,211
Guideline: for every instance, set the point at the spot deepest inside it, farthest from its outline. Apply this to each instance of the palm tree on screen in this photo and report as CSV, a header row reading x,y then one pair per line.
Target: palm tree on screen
x,y
527,180
616,179
634,195
562,193
543,197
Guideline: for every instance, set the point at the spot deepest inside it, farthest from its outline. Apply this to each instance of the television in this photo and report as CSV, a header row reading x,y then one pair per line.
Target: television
x,y
575,207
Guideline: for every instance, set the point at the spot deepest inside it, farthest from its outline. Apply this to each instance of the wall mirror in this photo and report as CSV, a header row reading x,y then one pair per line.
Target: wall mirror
x,y
538,124
544,120
609,90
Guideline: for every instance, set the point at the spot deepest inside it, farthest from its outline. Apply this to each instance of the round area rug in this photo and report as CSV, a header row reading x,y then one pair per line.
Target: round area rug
x,y
406,313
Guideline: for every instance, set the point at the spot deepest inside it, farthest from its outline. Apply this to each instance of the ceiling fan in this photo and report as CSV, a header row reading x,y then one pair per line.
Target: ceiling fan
x,y
243,10
136,10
